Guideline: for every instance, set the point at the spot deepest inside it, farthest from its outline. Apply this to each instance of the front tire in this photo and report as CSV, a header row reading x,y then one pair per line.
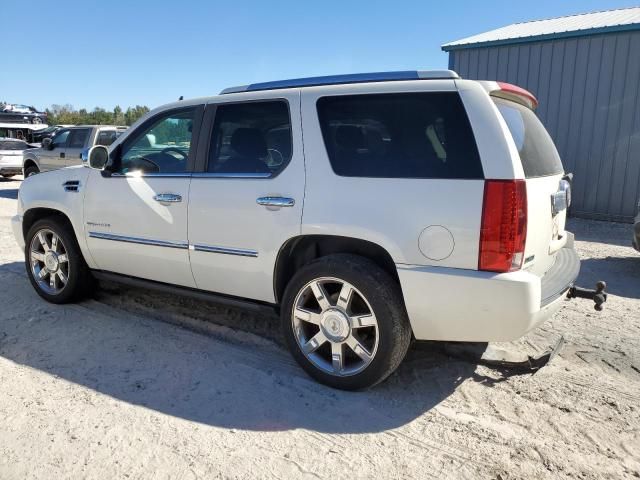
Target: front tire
x,y
54,263
29,171
344,321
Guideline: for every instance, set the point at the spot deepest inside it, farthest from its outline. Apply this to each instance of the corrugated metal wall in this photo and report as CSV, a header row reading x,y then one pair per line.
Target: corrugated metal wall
x,y
589,94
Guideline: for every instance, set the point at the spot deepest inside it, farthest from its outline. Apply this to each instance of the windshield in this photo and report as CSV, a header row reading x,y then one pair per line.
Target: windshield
x,y
537,152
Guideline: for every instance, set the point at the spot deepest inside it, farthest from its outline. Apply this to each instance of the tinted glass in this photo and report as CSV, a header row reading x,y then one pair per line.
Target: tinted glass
x,y
106,137
537,152
251,138
14,145
162,146
60,139
407,135
78,137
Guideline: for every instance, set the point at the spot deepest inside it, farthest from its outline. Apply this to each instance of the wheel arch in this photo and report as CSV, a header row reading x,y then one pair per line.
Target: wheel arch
x,y
303,249
29,162
34,214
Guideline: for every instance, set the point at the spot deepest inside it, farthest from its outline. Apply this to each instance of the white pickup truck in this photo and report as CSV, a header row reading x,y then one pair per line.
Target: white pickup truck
x,y
67,147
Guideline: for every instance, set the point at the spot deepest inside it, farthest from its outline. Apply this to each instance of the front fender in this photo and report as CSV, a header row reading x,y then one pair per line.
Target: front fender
x,y
47,191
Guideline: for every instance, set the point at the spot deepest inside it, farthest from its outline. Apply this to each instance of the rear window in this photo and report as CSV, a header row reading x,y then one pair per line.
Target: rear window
x,y
14,145
537,152
406,135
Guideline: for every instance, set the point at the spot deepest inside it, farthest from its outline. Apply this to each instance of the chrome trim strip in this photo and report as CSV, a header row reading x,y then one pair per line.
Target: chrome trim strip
x,y
231,175
160,175
225,251
141,241
194,175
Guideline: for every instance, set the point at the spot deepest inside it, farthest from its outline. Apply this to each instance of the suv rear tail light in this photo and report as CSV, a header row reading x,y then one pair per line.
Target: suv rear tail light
x,y
504,225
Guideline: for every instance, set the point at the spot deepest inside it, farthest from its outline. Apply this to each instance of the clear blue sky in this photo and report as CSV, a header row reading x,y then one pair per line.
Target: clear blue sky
x,y
145,52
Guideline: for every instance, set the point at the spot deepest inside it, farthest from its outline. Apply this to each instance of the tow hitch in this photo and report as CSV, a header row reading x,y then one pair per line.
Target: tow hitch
x,y
599,296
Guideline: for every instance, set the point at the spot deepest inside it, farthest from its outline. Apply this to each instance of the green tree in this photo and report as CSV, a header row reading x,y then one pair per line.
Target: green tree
x,y
67,115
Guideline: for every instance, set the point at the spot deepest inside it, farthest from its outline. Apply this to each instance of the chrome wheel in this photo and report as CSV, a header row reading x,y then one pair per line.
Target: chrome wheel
x,y
49,261
335,326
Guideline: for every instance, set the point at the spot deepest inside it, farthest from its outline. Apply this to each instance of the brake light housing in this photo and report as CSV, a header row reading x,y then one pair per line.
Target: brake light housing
x,y
503,230
525,96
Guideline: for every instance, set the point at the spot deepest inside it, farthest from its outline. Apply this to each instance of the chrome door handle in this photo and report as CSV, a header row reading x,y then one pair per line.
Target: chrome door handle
x,y
167,198
276,201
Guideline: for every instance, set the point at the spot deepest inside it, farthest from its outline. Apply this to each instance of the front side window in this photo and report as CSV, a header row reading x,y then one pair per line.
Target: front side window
x,y
162,146
60,139
251,138
405,135
78,137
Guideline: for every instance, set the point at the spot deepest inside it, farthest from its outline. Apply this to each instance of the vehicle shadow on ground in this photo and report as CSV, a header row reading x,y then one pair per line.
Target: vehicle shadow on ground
x,y
610,233
226,380
622,274
11,193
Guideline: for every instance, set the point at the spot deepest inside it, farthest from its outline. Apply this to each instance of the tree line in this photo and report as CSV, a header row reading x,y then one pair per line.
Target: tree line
x,y
67,115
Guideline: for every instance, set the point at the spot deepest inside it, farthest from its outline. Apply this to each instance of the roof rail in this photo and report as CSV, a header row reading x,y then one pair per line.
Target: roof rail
x,y
347,78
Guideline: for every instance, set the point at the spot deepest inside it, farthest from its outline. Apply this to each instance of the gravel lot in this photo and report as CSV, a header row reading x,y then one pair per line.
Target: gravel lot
x,y
117,387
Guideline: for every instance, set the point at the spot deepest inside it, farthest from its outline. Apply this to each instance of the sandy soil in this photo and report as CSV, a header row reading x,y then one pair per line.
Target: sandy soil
x,y
117,387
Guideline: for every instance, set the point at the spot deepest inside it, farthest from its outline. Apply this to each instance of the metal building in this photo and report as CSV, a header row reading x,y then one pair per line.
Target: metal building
x,y
585,72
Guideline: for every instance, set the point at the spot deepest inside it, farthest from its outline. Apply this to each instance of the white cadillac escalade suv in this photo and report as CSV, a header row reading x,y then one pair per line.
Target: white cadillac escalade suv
x,y
370,209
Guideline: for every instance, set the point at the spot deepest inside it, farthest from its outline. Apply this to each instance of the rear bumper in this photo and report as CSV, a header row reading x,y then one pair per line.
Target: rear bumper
x,y
467,305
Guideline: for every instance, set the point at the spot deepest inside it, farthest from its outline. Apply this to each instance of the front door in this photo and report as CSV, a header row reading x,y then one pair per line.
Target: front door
x,y
248,200
53,157
136,214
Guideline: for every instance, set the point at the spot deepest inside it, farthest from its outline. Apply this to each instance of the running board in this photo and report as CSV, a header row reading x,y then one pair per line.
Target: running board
x,y
226,300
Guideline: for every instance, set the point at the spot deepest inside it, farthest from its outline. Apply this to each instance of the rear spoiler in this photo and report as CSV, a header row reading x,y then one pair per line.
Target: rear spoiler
x,y
511,92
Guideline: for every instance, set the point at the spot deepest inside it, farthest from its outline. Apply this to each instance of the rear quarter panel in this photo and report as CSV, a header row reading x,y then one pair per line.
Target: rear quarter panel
x,y
390,212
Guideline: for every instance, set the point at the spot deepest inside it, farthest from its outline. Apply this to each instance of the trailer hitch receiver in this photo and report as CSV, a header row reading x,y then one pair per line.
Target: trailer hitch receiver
x,y
599,296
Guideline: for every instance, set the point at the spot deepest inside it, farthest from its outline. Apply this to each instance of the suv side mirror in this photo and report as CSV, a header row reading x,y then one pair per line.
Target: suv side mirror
x,y
98,157
46,144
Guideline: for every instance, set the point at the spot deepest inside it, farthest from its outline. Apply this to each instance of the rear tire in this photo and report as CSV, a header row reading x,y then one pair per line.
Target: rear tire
x,y
55,265
344,321
31,170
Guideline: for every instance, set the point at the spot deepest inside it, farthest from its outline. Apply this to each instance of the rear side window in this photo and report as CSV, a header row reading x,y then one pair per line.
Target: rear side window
x,y
537,152
406,135
251,138
78,137
106,137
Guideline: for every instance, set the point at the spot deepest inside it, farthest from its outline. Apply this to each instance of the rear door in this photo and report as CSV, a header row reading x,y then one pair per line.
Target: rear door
x,y
78,138
546,189
248,200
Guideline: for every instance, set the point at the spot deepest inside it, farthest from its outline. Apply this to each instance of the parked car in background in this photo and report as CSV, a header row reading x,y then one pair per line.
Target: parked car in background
x,y
226,197
21,114
65,148
11,156
48,132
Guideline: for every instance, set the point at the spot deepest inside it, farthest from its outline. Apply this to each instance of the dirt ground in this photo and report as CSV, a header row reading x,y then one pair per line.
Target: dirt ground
x,y
117,387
